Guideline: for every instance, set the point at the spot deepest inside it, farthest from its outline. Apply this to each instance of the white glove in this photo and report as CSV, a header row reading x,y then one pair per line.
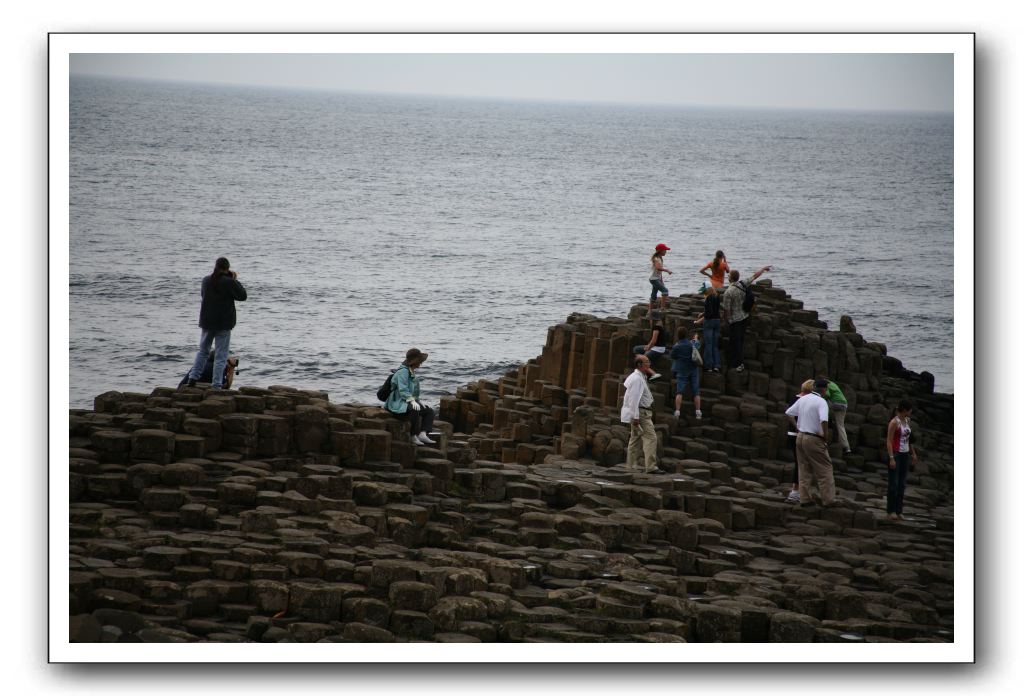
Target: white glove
x,y
413,403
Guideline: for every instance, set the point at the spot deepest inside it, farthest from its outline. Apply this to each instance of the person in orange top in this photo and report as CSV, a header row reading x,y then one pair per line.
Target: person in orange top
x,y
716,270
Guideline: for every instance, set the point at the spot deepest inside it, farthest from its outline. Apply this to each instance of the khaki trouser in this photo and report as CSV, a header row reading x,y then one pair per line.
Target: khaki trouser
x,y
643,436
814,465
839,410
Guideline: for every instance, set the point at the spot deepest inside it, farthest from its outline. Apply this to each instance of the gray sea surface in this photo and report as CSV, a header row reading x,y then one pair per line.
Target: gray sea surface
x,y
362,225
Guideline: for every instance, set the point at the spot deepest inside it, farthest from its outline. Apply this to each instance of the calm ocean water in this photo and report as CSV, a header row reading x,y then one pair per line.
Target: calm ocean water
x,y
362,225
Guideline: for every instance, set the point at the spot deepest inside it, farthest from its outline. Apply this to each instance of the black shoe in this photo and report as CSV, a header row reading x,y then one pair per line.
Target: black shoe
x,y
191,382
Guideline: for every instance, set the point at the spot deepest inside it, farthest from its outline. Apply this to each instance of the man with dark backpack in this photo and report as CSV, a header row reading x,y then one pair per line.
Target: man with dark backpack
x,y
736,304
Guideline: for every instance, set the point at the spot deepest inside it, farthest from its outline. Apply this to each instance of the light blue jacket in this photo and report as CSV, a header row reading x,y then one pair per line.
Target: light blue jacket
x,y
403,385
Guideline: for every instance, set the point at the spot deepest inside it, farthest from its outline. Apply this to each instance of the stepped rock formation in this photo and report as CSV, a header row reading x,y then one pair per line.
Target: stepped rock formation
x,y
273,515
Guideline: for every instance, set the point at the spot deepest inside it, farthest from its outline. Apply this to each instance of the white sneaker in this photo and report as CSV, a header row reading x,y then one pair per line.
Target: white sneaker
x,y
699,415
740,368
656,375
793,497
678,413
424,439
417,441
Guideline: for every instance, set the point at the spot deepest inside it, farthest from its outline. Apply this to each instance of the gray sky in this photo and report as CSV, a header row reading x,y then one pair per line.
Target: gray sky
x,y
802,81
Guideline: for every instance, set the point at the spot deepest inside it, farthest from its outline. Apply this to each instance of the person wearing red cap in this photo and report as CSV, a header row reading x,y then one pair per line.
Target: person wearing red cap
x,y
657,276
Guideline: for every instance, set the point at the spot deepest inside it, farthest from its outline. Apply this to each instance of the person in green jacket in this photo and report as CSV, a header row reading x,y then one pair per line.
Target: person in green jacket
x,y
839,406
404,402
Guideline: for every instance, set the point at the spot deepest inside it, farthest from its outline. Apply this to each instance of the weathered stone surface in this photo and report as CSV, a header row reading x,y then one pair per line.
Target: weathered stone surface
x,y
276,516
789,627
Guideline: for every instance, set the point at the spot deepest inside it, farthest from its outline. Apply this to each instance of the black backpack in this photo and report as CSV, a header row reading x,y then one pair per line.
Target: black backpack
x,y
385,389
749,299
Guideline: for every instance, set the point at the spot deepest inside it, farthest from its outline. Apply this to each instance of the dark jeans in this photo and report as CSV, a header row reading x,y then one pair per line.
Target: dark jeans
x,y
897,482
419,421
711,333
736,342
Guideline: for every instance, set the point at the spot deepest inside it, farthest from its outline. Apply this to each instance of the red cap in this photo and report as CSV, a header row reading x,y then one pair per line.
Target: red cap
x,y
662,247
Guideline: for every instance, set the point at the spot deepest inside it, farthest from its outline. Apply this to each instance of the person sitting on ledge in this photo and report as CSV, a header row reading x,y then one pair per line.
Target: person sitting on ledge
x,y
404,402
207,373
657,345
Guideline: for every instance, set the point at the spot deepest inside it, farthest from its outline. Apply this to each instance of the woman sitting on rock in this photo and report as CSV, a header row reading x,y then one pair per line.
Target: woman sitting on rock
x,y
404,402
658,343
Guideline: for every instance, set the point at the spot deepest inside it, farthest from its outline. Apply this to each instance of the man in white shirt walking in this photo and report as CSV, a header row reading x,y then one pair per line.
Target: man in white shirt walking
x,y
637,411
809,414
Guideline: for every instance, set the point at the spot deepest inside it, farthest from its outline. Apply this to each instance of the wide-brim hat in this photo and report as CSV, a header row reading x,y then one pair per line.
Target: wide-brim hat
x,y
415,355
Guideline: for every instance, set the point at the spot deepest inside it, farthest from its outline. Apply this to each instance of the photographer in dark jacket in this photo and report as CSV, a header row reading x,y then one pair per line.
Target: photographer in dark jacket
x,y
217,317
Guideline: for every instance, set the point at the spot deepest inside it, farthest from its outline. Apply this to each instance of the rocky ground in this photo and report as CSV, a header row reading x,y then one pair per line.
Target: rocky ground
x,y
273,515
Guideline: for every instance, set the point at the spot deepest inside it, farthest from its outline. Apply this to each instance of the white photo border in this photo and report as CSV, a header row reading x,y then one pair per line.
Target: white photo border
x,y
960,45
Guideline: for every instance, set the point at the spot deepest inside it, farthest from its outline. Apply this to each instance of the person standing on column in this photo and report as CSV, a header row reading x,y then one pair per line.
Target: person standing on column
x,y
403,400
217,317
686,370
737,316
900,452
657,272
711,320
637,412
716,270
809,414
839,406
805,389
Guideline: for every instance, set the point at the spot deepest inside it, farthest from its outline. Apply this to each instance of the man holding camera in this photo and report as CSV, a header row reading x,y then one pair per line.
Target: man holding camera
x,y
217,317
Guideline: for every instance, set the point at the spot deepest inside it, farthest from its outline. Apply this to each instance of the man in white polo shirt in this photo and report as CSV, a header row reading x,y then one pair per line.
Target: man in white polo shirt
x,y
809,414
637,412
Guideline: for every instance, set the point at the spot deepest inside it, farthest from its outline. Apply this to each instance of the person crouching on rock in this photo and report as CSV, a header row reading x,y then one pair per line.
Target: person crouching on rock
x,y
404,399
637,412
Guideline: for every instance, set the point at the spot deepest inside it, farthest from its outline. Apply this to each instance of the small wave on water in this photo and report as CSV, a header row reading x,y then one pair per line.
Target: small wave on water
x,y
163,357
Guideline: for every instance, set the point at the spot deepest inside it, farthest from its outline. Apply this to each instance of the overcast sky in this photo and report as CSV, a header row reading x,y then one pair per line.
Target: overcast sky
x,y
915,82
